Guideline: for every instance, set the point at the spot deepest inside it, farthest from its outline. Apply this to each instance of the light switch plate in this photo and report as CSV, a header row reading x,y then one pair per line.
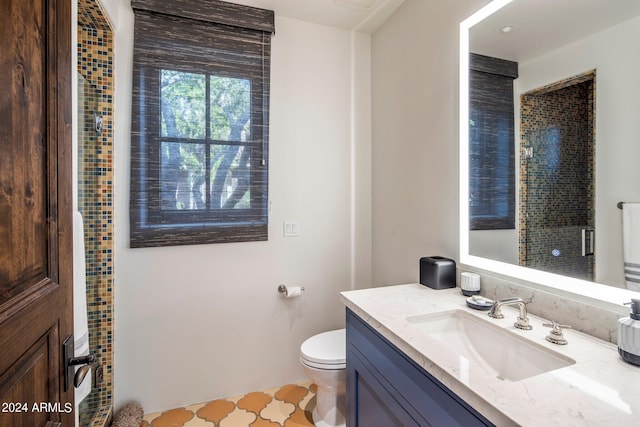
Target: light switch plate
x,y
291,229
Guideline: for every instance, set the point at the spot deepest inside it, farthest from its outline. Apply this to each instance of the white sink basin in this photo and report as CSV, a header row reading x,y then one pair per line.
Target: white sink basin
x,y
499,351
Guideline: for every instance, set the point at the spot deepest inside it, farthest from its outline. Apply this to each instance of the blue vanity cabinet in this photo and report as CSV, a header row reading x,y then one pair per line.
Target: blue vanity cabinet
x,y
385,388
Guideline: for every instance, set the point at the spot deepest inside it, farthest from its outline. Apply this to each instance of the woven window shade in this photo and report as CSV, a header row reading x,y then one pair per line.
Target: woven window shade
x,y
211,39
212,11
491,143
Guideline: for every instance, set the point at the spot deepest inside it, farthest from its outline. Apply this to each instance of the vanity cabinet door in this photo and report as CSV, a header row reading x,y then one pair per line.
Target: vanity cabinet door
x,y
372,405
387,388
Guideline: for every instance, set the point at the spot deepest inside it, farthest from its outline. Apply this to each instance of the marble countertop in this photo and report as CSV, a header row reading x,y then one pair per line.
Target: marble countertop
x,y
600,389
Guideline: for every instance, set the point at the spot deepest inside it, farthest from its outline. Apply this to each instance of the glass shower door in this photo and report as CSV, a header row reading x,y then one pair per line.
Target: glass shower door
x,y
559,216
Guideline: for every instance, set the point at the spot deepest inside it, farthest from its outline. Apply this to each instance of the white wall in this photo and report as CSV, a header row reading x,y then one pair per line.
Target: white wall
x,y
614,55
195,323
361,215
415,138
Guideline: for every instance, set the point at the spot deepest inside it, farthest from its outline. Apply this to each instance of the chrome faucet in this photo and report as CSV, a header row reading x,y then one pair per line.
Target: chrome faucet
x,y
522,322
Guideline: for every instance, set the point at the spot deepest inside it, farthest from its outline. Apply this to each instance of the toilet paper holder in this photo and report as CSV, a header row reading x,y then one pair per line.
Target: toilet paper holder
x,y
283,289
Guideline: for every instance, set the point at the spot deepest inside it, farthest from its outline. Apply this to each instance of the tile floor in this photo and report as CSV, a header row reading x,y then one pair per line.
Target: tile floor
x,y
287,406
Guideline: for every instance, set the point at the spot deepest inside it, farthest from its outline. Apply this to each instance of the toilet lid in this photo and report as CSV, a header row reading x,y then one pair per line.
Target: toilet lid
x,y
326,350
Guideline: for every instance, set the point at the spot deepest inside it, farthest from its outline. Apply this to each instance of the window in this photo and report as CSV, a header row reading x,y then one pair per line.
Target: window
x,y
199,145
491,144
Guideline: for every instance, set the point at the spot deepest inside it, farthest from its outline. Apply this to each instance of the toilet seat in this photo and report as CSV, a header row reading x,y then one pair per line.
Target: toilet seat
x,y
325,351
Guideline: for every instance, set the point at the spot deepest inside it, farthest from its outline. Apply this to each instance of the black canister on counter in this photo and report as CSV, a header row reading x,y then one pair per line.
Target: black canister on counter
x,y
438,272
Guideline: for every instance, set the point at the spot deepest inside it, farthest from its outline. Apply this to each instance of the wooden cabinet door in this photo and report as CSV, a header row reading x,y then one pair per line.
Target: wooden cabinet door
x,y
35,212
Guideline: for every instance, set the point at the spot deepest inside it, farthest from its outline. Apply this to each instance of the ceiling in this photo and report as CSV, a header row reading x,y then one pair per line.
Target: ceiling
x,y
360,15
545,25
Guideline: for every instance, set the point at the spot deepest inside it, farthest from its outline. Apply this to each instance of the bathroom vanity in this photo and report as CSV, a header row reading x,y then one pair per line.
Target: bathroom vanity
x,y
418,356
385,387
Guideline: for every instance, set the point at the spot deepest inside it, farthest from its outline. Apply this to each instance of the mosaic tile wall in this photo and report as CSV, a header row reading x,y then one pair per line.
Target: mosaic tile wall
x,y
95,196
556,182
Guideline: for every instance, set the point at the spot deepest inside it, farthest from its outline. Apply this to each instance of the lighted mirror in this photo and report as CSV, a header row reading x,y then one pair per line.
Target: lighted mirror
x,y
549,141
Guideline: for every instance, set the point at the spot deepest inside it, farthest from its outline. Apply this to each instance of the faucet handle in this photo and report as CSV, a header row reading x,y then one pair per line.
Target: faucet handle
x,y
555,335
496,311
556,326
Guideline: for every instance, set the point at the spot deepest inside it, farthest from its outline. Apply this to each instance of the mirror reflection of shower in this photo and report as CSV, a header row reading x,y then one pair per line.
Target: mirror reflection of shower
x,y
556,183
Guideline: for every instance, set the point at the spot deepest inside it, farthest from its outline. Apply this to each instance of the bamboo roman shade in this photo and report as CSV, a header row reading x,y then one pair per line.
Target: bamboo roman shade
x,y
491,143
200,120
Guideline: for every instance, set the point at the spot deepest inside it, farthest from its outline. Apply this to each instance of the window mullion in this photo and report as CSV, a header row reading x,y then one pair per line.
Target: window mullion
x,y
207,166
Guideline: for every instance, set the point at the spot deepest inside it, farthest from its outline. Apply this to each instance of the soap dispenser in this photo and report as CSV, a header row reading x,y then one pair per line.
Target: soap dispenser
x,y
629,334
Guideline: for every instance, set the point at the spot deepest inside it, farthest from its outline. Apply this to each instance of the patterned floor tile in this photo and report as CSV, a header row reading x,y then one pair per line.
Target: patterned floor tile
x,y
195,408
199,422
277,411
238,418
261,422
215,411
308,403
286,406
299,418
173,418
292,393
255,402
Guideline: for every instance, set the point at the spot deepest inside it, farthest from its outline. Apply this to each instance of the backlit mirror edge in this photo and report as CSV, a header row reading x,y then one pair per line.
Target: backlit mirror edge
x,y
598,294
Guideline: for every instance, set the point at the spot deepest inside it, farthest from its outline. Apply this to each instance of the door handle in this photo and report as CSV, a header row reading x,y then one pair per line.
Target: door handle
x,y
70,362
85,363
588,238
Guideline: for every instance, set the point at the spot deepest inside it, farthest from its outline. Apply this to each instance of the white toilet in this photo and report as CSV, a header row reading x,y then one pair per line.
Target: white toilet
x,y
323,357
